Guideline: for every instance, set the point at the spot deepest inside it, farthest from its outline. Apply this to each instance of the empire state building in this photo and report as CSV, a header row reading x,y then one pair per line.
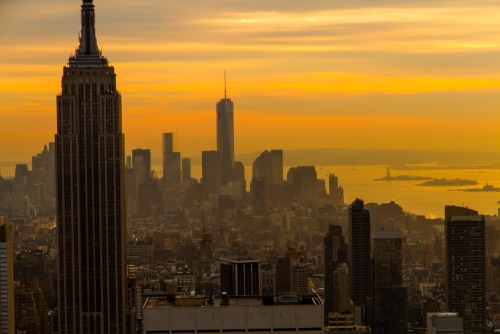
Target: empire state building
x,y
90,192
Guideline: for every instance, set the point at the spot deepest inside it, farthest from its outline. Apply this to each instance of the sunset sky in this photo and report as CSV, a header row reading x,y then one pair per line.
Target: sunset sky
x,y
302,73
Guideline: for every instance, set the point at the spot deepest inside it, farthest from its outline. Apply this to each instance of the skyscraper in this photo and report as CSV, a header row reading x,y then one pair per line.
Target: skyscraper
x,y
210,170
186,170
225,137
171,161
90,192
335,254
360,268
142,156
465,267
389,294
7,325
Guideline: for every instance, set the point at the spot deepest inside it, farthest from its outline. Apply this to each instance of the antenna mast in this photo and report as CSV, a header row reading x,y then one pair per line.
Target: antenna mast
x,y
225,86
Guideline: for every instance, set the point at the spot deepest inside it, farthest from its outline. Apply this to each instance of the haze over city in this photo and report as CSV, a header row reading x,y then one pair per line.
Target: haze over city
x,y
303,74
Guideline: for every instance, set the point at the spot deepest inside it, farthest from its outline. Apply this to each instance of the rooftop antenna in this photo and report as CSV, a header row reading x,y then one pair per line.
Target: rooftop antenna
x,y
225,86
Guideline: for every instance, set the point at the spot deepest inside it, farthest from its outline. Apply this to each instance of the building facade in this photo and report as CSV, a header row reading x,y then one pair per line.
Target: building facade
x,y
6,279
465,267
90,192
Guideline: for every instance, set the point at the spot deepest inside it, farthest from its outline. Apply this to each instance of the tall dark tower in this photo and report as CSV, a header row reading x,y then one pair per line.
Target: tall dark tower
x,y
465,267
336,250
90,192
225,136
360,268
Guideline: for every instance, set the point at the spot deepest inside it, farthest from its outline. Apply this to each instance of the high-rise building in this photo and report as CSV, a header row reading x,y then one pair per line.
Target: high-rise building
x,y
336,192
389,294
465,267
304,182
240,277
7,324
335,254
210,170
225,137
140,155
269,168
171,161
360,268
92,278
186,170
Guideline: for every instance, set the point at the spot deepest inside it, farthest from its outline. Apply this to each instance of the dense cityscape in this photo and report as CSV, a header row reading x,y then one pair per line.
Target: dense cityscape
x,y
94,240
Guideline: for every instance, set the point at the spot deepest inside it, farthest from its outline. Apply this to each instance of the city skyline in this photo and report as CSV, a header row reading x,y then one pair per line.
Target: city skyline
x,y
303,75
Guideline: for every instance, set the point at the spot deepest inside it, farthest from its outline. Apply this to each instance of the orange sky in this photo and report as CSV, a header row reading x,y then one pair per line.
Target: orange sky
x,y
302,74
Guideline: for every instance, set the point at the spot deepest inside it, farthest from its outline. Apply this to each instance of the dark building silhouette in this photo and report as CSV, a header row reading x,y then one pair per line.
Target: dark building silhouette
x,y
304,182
7,316
258,191
240,277
90,192
335,191
186,170
210,170
143,155
171,161
336,252
465,267
360,268
269,168
150,201
225,138
389,294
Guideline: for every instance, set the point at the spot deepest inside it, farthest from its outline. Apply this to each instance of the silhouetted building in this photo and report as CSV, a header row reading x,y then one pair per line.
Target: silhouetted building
x,y
304,182
336,252
269,168
210,170
7,316
258,191
465,267
145,154
186,170
240,277
150,201
171,161
360,268
389,294
335,191
225,138
90,192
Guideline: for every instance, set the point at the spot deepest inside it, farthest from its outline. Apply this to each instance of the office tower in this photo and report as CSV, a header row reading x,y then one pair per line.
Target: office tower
x,y
465,267
186,170
258,191
389,294
210,170
6,279
167,143
304,182
225,137
283,274
171,161
299,279
240,277
360,269
141,158
269,168
90,192
150,199
336,250
31,308
172,175
336,192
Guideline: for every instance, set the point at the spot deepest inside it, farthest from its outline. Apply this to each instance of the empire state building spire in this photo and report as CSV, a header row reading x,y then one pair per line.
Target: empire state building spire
x,y
88,54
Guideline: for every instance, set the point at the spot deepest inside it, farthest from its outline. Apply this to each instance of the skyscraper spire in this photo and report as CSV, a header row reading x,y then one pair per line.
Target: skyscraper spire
x,y
225,86
88,54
